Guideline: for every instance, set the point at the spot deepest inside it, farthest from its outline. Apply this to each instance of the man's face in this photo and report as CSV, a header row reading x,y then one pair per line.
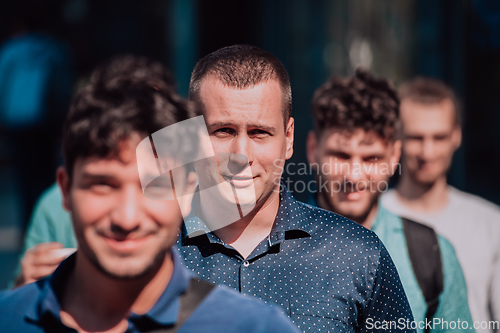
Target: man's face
x,y
430,137
123,233
355,168
248,137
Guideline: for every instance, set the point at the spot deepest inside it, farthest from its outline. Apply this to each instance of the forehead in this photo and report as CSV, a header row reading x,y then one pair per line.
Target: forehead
x,y
427,118
262,103
358,141
126,157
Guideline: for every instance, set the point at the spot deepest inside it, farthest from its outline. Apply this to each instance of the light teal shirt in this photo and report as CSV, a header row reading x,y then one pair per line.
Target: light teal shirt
x,y
453,304
49,223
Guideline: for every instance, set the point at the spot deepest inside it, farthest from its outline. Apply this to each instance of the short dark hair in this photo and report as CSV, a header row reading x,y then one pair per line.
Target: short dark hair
x,y
241,67
132,67
359,101
428,91
108,111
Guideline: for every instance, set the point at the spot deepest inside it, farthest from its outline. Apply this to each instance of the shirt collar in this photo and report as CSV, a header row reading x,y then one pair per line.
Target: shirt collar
x,y
164,312
291,221
48,302
166,309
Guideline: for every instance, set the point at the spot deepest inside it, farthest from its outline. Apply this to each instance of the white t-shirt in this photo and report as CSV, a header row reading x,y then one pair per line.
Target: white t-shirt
x,y
472,225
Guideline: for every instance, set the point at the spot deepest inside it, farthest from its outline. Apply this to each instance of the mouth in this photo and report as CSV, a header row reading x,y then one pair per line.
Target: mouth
x,y
240,181
353,194
126,245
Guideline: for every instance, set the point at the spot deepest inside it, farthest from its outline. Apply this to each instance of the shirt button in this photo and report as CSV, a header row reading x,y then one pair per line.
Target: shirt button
x,y
246,263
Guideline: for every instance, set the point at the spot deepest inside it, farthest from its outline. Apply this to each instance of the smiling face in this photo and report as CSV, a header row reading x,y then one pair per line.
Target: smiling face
x,y
123,233
355,166
248,137
430,137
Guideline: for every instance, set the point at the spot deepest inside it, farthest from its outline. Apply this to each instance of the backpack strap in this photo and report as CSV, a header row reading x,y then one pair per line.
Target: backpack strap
x,y
196,292
425,256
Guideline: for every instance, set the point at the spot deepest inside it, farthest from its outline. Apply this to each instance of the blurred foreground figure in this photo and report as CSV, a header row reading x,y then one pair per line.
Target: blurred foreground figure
x,y
431,133
125,275
353,150
328,273
35,88
50,225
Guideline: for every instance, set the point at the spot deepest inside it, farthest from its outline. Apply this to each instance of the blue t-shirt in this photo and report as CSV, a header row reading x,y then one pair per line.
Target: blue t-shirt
x,y
35,308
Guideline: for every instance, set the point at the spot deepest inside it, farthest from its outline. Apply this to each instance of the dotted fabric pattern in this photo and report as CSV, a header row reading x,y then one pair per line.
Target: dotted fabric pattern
x,y
326,272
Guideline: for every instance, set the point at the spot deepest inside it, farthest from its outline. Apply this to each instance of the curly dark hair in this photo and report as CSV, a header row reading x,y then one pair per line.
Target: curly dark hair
x,y
241,67
111,108
360,101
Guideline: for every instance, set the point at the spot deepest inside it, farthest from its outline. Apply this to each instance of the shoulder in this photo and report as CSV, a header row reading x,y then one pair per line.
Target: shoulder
x,y
16,304
473,201
322,223
51,197
238,312
25,295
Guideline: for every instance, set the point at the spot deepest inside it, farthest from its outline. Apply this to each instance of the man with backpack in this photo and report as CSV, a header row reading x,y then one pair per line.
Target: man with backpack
x,y
353,151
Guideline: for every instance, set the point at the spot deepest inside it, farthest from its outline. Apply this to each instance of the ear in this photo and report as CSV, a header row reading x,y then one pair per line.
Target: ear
x,y
289,138
64,183
456,137
186,199
311,146
395,156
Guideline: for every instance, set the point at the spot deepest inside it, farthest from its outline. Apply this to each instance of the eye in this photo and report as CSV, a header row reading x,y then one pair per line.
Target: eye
x,y
339,155
223,132
440,137
372,159
101,187
258,133
413,138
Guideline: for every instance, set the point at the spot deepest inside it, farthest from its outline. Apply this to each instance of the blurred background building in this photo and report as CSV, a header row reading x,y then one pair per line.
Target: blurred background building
x,y
455,41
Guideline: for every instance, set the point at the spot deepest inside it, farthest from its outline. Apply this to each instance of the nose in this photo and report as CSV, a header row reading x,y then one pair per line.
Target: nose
x,y
427,149
125,217
353,171
241,154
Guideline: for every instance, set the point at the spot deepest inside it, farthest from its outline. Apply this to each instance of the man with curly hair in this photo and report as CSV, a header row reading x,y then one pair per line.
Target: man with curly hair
x,y
354,150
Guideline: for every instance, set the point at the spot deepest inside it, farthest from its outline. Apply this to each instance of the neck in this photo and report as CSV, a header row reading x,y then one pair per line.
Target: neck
x,y
93,301
368,220
422,197
246,233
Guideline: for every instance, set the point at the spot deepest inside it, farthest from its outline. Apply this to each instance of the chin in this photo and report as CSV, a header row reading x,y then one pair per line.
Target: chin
x,y
351,210
129,268
426,179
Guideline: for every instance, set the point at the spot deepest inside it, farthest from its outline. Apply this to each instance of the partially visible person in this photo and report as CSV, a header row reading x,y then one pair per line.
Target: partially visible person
x,y
353,151
126,276
431,133
328,273
50,228
36,78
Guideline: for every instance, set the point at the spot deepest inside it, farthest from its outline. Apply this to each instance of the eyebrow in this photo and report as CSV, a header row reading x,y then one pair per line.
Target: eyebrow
x,y
261,126
91,176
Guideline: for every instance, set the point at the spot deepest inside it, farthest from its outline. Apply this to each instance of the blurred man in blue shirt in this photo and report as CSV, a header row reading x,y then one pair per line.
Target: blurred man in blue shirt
x,y
125,275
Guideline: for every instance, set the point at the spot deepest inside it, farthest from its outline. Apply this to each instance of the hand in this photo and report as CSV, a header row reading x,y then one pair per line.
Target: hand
x,y
40,261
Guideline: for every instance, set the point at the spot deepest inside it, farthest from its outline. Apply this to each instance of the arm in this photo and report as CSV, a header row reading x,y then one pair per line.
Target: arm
x,y
453,302
387,304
